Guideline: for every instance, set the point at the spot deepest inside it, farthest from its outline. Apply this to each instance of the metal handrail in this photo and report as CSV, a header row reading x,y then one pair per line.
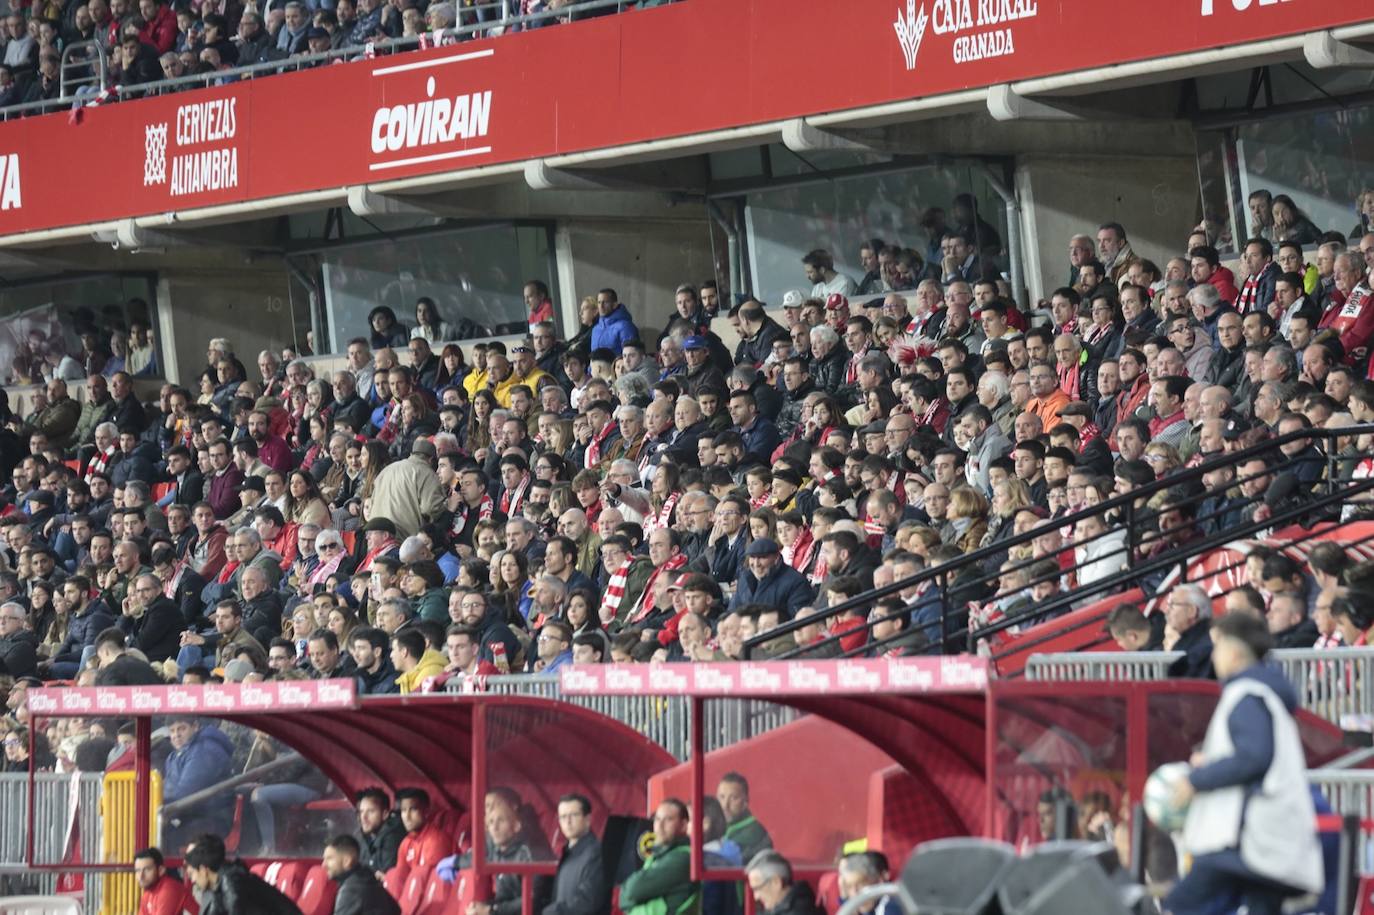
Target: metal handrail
x,y
70,61
1132,510
1105,665
490,28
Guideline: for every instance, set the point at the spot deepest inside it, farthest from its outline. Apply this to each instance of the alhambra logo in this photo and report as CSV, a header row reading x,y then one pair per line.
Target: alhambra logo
x,y
911,28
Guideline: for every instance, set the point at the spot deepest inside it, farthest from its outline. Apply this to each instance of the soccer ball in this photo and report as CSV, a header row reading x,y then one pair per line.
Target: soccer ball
x,y
1159,796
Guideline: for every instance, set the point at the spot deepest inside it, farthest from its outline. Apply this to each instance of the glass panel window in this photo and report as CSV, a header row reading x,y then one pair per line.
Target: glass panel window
x,y
71,328
474,277
908,208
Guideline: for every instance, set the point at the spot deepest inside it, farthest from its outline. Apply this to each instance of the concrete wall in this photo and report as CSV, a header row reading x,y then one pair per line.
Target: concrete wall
x,y
249,307
1154,197
643,261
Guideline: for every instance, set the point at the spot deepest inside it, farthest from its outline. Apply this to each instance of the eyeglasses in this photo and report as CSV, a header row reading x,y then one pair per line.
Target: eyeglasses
x,y
330,546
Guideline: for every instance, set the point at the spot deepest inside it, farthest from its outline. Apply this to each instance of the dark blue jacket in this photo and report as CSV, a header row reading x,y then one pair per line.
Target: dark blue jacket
x,y
205,761
760,440
83,629
783,587
614,330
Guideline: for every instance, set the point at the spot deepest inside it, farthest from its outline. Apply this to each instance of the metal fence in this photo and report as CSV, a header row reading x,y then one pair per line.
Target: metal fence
x,y
1102,665
1350,792
51,819
1331,682
1334,682
666,720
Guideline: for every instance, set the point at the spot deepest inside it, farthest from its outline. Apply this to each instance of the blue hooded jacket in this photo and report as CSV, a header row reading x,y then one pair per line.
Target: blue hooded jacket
x,y
614,330
206,760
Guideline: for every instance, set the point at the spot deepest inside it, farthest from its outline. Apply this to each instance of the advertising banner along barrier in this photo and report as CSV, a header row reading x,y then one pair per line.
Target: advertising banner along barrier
x,y
688,68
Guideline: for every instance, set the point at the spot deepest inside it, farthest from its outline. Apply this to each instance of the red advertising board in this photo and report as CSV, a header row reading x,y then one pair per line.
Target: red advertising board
x,y
211,699
692,67
961,674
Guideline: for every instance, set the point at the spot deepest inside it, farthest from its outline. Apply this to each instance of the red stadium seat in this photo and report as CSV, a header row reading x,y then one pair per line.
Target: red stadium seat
x,y
231,841
395,883
350,540
287,876
437,895
257,870
317,893
161,489
74,465
460,895
413,894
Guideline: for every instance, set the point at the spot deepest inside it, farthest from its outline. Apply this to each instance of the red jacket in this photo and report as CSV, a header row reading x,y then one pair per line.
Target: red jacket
x,y
1353,322
1225,281
167,897
423,850
161,32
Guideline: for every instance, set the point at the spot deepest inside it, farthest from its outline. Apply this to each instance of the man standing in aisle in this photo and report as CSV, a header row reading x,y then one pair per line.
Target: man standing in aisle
x,y
1251,825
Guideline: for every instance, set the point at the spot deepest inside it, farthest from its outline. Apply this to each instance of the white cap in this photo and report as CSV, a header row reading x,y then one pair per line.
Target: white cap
x,y
793,298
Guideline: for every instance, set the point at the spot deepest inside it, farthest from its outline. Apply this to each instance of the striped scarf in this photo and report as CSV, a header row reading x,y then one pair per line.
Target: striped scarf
x,y
99,463
646,605
762,500
798,555
460,517
510,500
663,516
615,593
593,455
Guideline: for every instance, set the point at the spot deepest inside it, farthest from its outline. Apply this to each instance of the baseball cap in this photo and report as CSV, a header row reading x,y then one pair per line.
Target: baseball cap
x,y
762,547
694,342
793,298
835,301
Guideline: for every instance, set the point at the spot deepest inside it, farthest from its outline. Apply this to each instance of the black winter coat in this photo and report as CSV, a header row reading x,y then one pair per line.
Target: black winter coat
x,y
361,894
580,887
239,892
157,633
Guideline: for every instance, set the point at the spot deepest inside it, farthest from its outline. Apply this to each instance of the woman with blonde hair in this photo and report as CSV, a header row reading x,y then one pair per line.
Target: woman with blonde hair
x,y
1008,498
968,514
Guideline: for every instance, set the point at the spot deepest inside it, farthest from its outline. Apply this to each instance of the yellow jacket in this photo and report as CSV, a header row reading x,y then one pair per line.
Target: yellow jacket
x,y
502,389
431,664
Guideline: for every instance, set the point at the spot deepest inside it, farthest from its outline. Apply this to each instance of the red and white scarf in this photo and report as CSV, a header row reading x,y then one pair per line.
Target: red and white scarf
x,y
851,371
615,593
510,501
762,500
664,516
799,554
388,544
485,508
100,462
593,453
646,605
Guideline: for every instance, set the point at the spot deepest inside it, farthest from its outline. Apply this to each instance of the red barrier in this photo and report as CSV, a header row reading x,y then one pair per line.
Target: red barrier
x,y
498,101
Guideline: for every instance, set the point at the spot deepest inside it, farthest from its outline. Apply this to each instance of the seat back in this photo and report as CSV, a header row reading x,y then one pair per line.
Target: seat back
x,y
395,882
437,895
1063,876
258,870
463,892
39,905
957,876
413,894
287,877
317,893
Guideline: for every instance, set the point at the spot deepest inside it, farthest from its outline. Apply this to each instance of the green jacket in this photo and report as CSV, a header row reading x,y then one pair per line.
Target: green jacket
x,y
640,570
92,415
433,606
663,886
748,833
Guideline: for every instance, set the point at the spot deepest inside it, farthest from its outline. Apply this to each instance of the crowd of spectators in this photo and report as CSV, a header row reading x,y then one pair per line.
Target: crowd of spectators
x,y
149,40
432,514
